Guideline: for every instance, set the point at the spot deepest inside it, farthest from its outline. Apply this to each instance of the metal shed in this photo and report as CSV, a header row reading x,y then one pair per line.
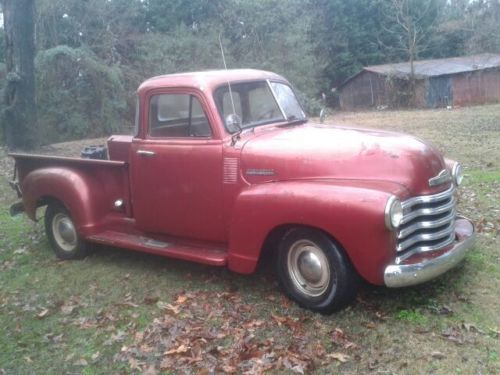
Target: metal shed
x,y
457,81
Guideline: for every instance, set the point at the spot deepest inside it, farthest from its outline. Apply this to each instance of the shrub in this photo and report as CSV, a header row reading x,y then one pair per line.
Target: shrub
x,y
77,94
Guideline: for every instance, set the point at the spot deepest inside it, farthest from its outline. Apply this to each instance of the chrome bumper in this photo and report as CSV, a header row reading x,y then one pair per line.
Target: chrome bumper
x,y
401,275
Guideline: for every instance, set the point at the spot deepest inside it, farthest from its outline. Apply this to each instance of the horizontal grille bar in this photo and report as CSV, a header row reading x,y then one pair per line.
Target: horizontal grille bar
x,y
450,228
428,223
429,198
445,242
429,211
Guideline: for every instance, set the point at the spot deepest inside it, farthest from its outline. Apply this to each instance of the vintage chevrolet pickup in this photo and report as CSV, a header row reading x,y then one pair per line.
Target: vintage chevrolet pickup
x,y
224,168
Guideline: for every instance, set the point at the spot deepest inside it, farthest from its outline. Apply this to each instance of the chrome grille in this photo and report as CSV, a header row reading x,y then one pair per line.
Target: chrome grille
x,y
428,223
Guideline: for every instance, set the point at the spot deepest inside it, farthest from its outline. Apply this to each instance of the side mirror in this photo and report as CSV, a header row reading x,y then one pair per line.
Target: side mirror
x,y
233,123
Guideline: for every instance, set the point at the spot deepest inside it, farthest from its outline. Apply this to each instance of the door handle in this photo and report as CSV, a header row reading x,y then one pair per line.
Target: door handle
x,y
145,153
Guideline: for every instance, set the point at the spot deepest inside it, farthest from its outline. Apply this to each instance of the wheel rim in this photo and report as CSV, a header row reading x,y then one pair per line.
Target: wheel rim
x,y
64,232
309,268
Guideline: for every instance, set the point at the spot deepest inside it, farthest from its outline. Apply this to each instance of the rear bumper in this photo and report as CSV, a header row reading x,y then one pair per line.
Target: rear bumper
x,y
401,275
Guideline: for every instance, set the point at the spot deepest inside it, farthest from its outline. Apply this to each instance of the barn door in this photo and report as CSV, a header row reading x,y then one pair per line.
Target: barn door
x,y
439,92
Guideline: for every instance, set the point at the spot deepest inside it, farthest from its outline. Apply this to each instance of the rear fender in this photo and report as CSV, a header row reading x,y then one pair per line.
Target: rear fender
x,y
78,191
353,216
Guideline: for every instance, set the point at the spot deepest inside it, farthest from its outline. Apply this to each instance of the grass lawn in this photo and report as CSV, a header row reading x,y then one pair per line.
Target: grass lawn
x,y
125,312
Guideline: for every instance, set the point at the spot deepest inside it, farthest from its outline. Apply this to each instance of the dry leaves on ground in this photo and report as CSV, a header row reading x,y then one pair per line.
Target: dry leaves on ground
x,y
206,332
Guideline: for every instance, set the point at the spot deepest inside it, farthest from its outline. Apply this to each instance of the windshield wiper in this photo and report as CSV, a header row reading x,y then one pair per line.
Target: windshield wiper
x,y
292,120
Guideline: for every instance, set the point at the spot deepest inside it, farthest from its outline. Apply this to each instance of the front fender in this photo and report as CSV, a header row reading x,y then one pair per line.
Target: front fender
x,y
77,191
353,216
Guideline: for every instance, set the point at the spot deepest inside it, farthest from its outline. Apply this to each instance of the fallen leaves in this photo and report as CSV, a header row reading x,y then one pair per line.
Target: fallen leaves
x,y
370,325
338,356
181,349
168,307
294,325
210,332
455,335
68,309
339,339
42,314
22,250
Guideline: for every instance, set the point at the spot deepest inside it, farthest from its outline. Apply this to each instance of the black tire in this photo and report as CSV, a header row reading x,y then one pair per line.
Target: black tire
x,y
62,234
314,271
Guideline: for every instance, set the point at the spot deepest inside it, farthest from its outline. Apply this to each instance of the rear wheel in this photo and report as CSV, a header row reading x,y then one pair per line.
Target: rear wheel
x,y
62,234
314,271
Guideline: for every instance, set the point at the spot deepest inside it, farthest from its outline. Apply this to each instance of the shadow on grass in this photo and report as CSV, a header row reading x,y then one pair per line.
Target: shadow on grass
x,y
202,277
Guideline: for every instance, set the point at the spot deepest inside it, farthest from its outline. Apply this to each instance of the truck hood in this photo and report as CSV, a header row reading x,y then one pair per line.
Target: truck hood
x,y
314,151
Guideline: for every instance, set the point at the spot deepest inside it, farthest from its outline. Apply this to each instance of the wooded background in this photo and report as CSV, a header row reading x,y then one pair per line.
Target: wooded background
x,y
92,54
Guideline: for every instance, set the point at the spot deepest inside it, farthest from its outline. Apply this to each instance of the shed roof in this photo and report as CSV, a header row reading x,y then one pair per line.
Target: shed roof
x,y
436,67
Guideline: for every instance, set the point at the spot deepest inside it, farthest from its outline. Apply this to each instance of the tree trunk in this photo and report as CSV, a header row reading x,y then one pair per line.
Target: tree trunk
x,y
19,117
411,94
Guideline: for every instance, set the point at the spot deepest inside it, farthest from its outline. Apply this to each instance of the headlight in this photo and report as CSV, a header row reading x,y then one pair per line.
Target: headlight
x,y
456,173
393,213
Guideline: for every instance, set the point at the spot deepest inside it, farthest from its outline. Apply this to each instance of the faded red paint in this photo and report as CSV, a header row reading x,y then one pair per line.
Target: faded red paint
x,y
196,195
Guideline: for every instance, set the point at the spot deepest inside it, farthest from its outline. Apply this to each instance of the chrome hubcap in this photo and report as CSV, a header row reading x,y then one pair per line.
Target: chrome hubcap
x,y
309,268
64,232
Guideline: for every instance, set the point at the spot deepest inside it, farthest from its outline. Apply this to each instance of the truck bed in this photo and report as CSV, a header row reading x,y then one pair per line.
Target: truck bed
x,y
88,186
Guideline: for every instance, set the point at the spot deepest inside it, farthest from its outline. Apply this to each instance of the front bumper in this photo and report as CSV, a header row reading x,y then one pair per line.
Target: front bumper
x,y
401,275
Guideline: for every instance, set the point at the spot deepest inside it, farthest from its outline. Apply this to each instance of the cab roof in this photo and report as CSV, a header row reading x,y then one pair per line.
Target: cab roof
x,y
208,79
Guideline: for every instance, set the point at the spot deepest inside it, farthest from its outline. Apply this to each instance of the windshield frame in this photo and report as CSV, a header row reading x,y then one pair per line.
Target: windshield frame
x,y
267,122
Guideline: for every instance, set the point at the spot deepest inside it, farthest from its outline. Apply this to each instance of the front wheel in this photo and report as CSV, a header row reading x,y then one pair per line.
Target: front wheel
x,y
314,271
62,234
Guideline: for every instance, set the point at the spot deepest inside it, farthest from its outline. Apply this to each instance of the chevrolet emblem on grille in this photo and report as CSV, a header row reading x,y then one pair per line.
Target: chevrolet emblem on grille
x,y
443,177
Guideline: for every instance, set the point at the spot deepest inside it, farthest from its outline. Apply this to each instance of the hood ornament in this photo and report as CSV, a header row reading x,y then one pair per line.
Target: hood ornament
x,y
441,178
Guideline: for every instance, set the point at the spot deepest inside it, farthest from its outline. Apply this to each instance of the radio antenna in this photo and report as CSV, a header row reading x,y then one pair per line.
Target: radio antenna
x,y
225,67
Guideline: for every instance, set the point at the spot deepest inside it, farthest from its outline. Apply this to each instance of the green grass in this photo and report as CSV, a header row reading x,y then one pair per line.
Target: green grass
x,y
98,306
412,316
482,176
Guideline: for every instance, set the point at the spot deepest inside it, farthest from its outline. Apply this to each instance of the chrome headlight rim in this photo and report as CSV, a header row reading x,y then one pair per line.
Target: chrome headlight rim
x,y
457,174
393,213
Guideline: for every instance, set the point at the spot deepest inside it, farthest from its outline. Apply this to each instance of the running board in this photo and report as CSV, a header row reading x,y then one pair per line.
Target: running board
x,y
200,254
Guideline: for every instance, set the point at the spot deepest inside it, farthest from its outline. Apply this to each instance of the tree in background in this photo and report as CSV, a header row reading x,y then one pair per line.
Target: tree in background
x,y
413,24
19,121
346,35
92,54
483,24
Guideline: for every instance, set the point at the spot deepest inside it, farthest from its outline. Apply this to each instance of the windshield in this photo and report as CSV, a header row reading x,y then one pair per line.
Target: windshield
x,y
288,102
256,103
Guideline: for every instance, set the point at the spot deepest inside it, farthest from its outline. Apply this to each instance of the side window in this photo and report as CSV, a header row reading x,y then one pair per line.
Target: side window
x,y
177,115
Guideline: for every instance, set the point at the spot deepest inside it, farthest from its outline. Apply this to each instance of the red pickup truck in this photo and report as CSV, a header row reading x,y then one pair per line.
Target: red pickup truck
x,y
224,167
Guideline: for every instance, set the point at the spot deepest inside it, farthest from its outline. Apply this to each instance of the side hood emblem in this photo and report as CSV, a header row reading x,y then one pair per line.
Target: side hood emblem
x,y
442,178
260,172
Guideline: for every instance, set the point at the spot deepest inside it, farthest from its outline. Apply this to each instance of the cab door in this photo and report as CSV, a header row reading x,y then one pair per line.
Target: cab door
x,y
176,169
